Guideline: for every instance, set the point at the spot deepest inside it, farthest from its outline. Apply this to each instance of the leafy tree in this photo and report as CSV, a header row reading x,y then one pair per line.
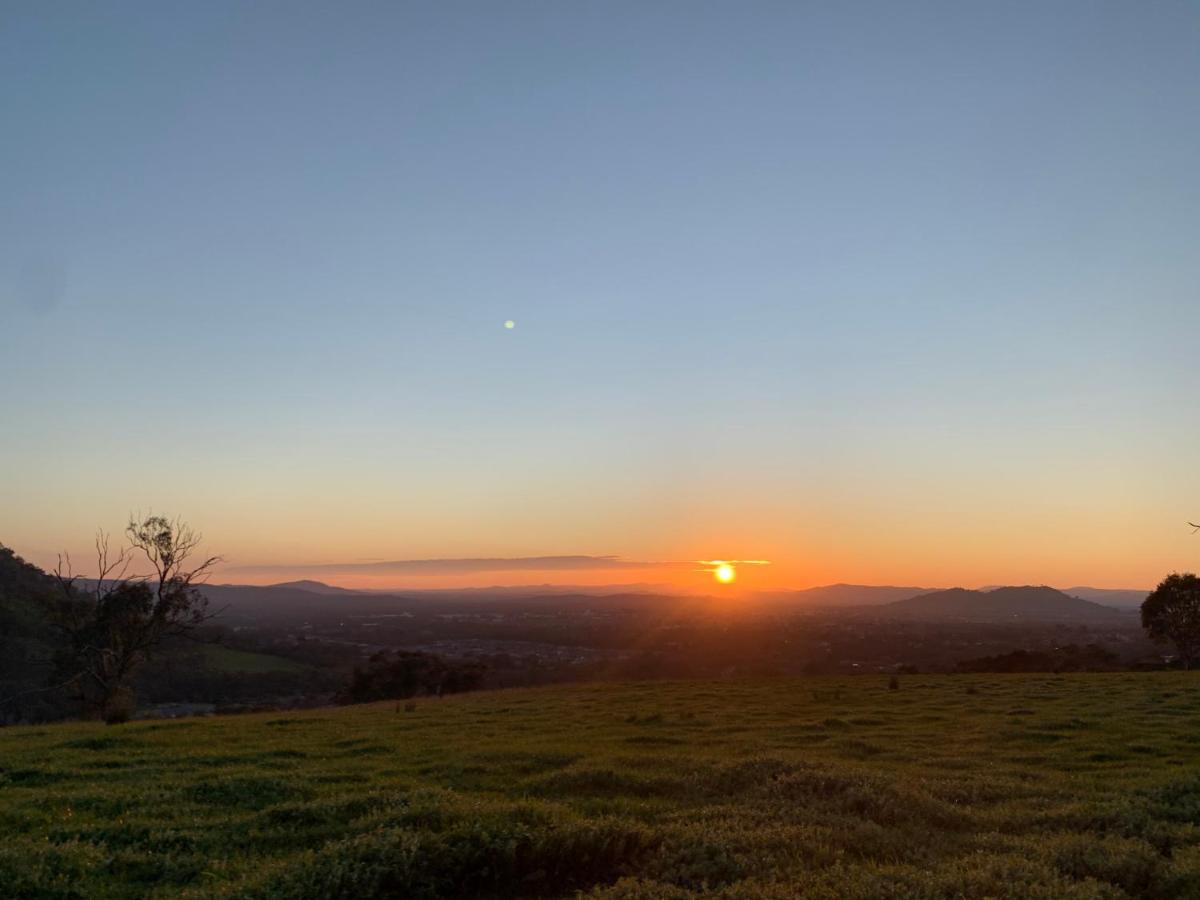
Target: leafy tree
x,y
27,643
115,623
389,676
1172,613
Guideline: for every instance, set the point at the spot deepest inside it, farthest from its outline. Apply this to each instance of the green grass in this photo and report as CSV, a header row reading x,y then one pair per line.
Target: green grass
x,y
226,659
1006,786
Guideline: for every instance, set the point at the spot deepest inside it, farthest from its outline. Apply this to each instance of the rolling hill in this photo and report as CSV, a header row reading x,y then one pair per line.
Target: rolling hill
x,y
1028,603
1121,599
839,595
1021,786
313,587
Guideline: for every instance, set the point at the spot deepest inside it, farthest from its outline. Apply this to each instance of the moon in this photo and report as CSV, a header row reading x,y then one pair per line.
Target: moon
x,y
510,324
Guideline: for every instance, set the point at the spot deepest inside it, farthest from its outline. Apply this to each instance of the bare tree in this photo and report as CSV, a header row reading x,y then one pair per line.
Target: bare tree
x,y
117,621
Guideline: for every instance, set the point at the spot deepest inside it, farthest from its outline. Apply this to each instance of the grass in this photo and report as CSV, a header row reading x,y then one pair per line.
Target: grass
x,y
227,659
967,786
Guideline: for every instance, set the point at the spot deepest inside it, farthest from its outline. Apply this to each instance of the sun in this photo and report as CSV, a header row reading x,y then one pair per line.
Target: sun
x,y
725,573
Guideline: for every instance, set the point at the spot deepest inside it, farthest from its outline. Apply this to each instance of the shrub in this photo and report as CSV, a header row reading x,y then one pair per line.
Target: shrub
x,y
697,863
486,856
1130,864
119,707
243,793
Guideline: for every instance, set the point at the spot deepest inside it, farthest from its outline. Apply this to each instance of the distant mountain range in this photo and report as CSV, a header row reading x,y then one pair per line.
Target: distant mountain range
x,y
989,604
312,587
1110,597
999,604
1005,604
839,595
523,590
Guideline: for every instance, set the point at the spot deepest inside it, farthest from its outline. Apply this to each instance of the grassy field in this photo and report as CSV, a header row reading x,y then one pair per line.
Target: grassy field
x,y
226,659
1013,786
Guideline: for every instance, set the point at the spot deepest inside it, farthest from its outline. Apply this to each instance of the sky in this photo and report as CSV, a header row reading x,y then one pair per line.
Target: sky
x,y
877,292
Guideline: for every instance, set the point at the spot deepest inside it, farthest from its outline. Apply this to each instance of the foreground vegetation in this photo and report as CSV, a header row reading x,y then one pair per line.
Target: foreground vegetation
x,y
1016,786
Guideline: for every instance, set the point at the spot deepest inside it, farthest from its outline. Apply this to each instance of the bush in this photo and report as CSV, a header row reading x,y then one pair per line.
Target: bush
x,y
1130,864
400,674
120,707
697,864
486,856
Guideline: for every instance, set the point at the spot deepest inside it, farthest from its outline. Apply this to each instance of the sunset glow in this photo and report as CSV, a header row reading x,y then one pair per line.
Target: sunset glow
x,y
843,336
575,417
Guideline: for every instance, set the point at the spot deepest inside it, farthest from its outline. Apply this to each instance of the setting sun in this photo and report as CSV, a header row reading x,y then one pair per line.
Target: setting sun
x,y
725,573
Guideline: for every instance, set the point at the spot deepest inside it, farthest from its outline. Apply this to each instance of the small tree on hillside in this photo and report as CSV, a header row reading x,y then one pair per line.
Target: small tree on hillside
x,y
116,622
1172,613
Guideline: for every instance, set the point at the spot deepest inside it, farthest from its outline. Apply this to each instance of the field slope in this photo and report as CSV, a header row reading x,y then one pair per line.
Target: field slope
x,y
227,659
972,786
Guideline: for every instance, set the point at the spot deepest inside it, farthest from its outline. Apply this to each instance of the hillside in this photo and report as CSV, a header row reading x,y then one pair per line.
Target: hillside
x,y
27,641
1034,604
227,659
1124,599
313,587
1005,786
838,595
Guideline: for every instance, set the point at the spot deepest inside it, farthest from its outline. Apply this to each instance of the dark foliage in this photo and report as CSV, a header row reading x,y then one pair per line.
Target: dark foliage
x,y
182,674
28,644
1172,614
388,676
1072,658
114,624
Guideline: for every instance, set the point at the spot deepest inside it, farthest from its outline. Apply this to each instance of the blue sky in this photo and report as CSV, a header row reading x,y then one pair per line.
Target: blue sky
x,y
871,289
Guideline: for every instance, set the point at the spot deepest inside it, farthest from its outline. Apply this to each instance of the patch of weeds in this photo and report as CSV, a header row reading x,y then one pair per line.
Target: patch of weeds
x,y
648,719
696,864
30,778
485,857
859,749
604,782
367,750
243,793
527,763
654,739
1178,801
105,742
1132,865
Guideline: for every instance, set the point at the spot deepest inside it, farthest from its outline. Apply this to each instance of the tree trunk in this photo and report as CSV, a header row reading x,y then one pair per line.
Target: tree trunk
x,y
119,705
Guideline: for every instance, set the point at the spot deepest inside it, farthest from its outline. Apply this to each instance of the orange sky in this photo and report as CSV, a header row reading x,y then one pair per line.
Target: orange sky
x,y
889,550
652,286
884,514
